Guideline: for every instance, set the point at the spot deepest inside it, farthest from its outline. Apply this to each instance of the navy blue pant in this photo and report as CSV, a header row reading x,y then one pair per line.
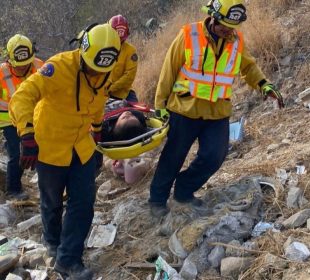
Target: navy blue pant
x,y
79,181
213,139
14,171
132,96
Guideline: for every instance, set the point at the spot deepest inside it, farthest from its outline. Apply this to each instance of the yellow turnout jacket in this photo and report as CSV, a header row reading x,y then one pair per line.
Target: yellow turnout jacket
x,y
124,72
48,100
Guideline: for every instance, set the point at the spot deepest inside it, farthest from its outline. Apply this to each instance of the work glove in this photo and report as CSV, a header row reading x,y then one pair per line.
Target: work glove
x,y
29,151
269,89
162,114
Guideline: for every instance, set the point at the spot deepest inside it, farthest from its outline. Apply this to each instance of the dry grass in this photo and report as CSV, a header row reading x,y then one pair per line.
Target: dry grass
x,y
269,38
153,50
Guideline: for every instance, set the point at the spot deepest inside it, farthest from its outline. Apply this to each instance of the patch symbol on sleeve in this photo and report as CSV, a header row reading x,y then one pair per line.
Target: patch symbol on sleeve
x,y
47,70
134,57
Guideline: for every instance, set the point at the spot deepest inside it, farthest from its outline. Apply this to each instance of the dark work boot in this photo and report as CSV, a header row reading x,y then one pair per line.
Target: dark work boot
x,y
158,210
51,250
194,201
74,272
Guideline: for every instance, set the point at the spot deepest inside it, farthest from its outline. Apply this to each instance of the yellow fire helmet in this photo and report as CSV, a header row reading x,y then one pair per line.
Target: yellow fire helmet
x,y
20,51
100,46
230,13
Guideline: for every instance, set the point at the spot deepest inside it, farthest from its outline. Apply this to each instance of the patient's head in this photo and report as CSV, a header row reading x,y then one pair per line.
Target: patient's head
x,y
129,124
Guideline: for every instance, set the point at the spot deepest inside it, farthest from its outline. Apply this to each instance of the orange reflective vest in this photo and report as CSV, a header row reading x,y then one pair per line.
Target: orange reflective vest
x,y
203,74
9,83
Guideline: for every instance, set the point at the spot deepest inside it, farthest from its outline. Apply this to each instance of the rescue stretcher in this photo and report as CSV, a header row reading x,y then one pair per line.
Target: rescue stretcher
x,y
156,133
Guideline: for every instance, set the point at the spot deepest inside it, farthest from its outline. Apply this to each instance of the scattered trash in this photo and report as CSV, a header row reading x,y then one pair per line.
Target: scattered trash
x,y
11,276
99,218
301,169
132,170
148,265
35,220
8,248
3,239
3,163
164,271
265,182
262,227
135,169
6,215
282,175
38,274
34,179
117,168
176,247
102,236
236,130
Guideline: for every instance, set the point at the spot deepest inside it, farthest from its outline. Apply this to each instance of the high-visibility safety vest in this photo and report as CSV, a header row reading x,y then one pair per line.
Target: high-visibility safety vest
x,y
10,83
203,75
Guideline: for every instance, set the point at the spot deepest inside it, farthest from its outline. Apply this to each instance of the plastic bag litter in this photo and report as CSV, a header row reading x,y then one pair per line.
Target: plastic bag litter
x,y
262,227
7,214
38,274
33,221
102,236
236,130
11,276
164,271
9,247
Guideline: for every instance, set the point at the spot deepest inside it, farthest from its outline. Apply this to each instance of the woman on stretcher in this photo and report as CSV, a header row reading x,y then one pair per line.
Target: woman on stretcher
x,y
121,122
124,125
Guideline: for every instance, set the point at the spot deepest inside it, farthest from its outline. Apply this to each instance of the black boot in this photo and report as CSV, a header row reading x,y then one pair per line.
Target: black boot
x,y
74,272
158,210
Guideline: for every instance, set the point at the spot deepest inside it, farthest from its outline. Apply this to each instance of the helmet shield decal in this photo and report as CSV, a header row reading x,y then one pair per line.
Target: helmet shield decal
x,y
106,57
121,30
22,53
85,42
235,15
216,5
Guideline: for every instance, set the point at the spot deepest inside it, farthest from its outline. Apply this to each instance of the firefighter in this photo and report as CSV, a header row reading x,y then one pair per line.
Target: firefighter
x,y
124,73
19,65
55,111
195,88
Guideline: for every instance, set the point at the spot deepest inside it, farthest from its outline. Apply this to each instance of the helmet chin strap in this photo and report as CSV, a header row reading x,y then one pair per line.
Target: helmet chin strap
x,y
24,74
83,69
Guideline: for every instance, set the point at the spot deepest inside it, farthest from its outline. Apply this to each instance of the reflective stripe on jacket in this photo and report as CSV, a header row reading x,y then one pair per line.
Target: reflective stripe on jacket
x,y
203,74
9,84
